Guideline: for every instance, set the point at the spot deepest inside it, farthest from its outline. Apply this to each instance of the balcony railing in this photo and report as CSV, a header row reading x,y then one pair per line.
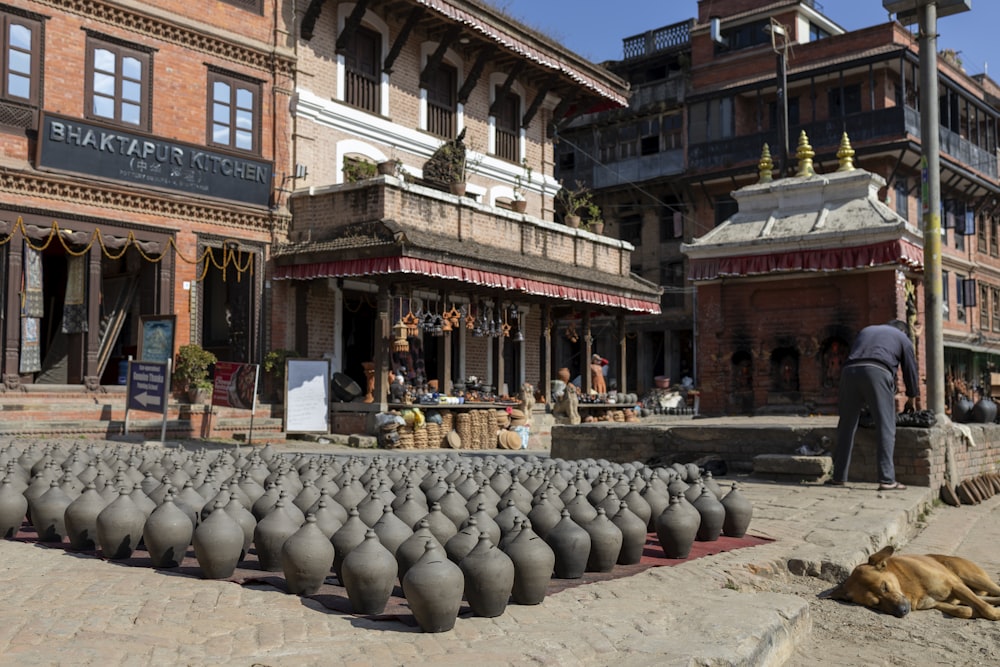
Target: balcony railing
x,y
507,145
361,90
659,39
440,121
873,125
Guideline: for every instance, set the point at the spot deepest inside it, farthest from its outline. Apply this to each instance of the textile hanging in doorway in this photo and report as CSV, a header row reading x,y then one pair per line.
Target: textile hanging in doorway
x,y
74,318
32,301
32,309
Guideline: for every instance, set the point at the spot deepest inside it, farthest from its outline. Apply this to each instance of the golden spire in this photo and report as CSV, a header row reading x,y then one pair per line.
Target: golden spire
x,y
805,155
845,155
765,168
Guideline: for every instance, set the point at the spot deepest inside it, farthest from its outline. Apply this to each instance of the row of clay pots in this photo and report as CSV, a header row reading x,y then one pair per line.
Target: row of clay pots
x,y
569,517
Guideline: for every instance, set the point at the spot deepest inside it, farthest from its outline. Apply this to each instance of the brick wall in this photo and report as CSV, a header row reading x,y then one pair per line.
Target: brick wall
x,y
921,455
757,316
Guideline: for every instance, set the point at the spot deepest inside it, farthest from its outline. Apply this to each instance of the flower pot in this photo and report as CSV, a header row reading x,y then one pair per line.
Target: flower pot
x,y
386,168
457,189
198,395
597,227
572,221
519,205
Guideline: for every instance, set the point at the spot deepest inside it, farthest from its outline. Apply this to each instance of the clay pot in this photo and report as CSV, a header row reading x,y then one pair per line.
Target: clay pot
x,y
81,518
48,512
442,527
218,543
633,535
738,513
677,527
464,541
13,508
433,588
984,411
167,534
246,521
605,543
306,558
489,578
571,545
533,561
345,540
543,516
391,532
270,534
713,514
961,411
369,574
413,547
119,528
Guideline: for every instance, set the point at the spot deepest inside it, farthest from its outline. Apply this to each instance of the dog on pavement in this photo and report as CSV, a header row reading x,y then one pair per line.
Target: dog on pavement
x,y
899,584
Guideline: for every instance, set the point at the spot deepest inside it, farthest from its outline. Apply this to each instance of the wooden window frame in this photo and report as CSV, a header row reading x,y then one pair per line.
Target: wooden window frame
x,y
235,84
507,126
442,101
363,89
121,50
9,19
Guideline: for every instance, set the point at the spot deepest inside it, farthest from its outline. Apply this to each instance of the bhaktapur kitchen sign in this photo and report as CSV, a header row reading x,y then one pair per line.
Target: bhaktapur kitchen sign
x,y
68,144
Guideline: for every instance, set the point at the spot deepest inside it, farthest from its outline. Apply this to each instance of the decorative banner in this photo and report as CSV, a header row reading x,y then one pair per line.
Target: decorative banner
x,y
235,385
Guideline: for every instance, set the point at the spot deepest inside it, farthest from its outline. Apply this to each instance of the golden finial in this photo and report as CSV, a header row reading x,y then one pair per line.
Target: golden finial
x,y
766,166
805,155
845,156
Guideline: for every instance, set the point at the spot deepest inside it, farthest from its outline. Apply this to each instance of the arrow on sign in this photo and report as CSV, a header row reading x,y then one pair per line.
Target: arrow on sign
x,y
147,399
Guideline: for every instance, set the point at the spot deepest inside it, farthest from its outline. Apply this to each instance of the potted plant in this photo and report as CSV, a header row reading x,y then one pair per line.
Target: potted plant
x,y
573,201
521,183
191,372
358,170
274,372
595,221
391,167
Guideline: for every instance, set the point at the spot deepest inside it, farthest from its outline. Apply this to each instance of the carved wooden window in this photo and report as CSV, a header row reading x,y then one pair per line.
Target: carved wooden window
x,y
996,308
21,58
362,69
119,78
441,101
234,112
984,307
507,126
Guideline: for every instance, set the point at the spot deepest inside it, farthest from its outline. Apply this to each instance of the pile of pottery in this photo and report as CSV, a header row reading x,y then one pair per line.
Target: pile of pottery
x,y
490,530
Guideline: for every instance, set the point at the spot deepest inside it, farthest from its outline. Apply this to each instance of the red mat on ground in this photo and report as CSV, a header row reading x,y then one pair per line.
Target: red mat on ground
x,y
333,596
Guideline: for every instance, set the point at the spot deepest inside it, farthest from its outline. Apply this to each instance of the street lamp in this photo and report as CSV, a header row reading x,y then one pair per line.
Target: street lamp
x,y
926,12
778,33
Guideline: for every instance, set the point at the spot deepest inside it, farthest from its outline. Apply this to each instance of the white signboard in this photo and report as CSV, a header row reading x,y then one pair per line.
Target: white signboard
x,y
307,396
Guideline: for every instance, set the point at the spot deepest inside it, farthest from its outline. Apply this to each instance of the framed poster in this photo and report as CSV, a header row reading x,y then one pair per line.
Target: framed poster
x,y
156,337
307,396
235,385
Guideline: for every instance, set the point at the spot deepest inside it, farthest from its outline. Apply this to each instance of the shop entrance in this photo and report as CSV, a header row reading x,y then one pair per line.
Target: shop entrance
x,y
229,303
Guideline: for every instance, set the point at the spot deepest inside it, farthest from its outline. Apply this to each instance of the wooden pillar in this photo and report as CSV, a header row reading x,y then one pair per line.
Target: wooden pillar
x,y
12,340
500,339
588,351
547,353
444,383
90,369
622,384
383,332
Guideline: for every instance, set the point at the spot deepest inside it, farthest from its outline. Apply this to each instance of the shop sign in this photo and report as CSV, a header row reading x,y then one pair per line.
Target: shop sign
x,y
235,385
69,144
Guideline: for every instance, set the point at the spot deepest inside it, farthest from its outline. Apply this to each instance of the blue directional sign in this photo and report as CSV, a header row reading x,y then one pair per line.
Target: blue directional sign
x,y
147,386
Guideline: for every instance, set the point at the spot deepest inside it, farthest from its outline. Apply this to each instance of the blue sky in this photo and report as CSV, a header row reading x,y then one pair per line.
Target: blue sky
x,y
595,28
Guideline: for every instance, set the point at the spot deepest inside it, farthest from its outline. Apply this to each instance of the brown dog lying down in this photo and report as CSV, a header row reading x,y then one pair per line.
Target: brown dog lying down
x,y
898,584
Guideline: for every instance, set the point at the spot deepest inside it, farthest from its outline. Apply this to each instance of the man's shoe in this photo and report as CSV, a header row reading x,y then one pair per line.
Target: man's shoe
x,y
891,486
834,482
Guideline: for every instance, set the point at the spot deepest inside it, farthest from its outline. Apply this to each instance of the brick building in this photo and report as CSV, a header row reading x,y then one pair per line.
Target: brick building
x,y
400,87
139,142
725,78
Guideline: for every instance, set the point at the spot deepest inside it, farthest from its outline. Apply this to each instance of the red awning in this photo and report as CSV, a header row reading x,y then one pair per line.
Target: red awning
x,y
898,251
387,265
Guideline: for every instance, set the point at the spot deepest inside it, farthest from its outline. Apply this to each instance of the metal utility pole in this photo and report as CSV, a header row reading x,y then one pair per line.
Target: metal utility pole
x,y
778,32
926,12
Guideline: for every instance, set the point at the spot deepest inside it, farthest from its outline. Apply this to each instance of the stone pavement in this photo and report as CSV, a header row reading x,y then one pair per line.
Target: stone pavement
x,y
58,608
